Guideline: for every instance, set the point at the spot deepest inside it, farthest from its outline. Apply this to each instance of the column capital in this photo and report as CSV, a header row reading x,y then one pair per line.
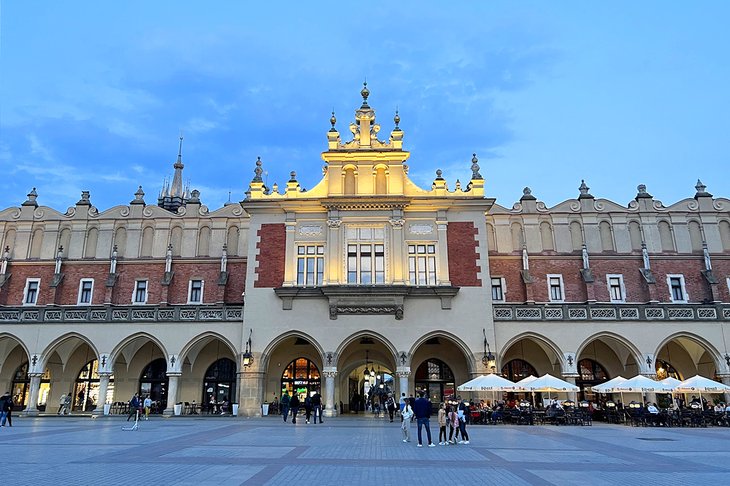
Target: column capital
x,y
329,373
174,374
403,373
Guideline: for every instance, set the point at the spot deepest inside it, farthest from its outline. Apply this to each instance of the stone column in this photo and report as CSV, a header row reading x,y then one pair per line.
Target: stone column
x,y
726,381
251,389
329,392
103,387
403,382
334,248
171,393
443,262
398,261
35,386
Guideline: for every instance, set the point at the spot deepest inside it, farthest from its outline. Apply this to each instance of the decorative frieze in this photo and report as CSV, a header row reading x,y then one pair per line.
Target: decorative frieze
x,y
608,312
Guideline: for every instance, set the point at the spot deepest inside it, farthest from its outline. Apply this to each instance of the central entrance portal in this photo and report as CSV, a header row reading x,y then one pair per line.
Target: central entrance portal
x,y
302,377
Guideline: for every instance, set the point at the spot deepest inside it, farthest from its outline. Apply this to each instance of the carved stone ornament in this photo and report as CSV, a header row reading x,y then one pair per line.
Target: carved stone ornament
x,y
420,229
329,374
334,223
397,222
311,229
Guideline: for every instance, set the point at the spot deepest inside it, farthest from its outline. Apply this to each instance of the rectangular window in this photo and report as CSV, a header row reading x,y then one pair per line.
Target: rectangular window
x,y
86,291
365,264
30,293
140,292
310,265
497,289
555,288
616,289
195,292
422,264
677,289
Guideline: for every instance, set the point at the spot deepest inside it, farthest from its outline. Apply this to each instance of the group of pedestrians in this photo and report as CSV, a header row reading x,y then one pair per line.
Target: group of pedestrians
x,y
455,417
312,407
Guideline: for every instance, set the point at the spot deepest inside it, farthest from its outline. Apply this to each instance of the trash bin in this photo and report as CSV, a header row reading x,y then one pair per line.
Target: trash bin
x,y
107,408
235,409
264,409
178,409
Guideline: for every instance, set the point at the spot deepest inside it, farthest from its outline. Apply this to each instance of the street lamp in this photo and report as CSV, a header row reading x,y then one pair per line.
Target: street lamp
x,y
247,355
488,360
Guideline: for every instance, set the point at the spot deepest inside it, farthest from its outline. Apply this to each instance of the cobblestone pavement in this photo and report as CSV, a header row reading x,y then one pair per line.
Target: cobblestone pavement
x,y
351,450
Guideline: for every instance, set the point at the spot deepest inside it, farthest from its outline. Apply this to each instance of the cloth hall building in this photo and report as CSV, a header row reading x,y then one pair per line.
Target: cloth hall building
x,y
366,282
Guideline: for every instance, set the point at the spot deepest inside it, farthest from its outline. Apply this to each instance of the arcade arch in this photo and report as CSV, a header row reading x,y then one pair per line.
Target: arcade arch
x,y
296,348
685,355
536,351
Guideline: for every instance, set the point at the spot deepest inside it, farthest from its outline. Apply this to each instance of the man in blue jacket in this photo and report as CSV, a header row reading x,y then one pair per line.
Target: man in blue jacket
x,y
422,410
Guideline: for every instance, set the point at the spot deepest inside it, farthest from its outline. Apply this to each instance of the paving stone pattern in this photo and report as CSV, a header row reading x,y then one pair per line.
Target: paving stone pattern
x,y
351,450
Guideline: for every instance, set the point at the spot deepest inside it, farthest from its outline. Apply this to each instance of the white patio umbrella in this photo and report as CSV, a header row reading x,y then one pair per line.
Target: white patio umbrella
x,y
491,382
671,382
526,380
642,384
608,387
549,383
701,384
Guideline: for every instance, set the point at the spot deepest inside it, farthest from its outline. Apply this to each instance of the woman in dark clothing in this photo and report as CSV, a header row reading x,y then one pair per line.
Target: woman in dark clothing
x,y
294,405
6,402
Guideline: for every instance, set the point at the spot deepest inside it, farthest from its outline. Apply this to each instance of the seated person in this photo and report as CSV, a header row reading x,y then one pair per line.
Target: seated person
x,y
651,408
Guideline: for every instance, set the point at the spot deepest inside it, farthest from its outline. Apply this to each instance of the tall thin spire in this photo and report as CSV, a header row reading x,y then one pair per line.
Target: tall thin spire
x,y
177,182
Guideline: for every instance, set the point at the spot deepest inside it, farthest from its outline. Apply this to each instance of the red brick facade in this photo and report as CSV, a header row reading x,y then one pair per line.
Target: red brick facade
x,y
463,254
271,257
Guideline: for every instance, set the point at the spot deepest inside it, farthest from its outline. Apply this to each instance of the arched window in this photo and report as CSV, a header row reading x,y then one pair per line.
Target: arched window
x,y
36,243
148,238
695,235
491,238
232,241
604,228
576,236
176,240
349,182
64,240
381,182
204,241
86,391
517,237
120,239
302,377
518,369
153,382
92,237
435,378
546,236
725,235
21,388
9,242
590,374
219,384
665,236
635,236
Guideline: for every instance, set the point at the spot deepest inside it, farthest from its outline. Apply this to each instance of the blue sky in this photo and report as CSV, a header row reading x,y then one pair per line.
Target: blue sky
x,y
93,95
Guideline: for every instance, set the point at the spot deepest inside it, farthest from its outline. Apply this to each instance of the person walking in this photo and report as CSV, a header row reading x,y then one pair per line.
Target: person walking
x,y
442,424
133,407
307,408
405,425
402,405
317,406
62,405
6,410
463,419
285,405
294,405
147,407
453,419
67,404
390,406
422,409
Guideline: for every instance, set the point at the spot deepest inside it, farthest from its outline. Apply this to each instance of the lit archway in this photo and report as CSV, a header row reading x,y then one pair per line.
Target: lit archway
x,y
20,391
301,376
590,374
86,389
219,385
153,382
435,379
518,369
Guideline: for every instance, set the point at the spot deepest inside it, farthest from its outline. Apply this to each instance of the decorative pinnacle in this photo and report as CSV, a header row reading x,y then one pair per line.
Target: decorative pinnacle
x,y
583,187
365,92
179,164
333,119
293,175
396,119
475,168
258,171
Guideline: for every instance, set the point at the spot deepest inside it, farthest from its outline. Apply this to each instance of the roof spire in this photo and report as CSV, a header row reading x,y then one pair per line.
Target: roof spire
x,y
177,189
365,92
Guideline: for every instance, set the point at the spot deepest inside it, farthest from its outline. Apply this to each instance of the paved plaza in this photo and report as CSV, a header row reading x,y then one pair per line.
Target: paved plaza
x,y
351,450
